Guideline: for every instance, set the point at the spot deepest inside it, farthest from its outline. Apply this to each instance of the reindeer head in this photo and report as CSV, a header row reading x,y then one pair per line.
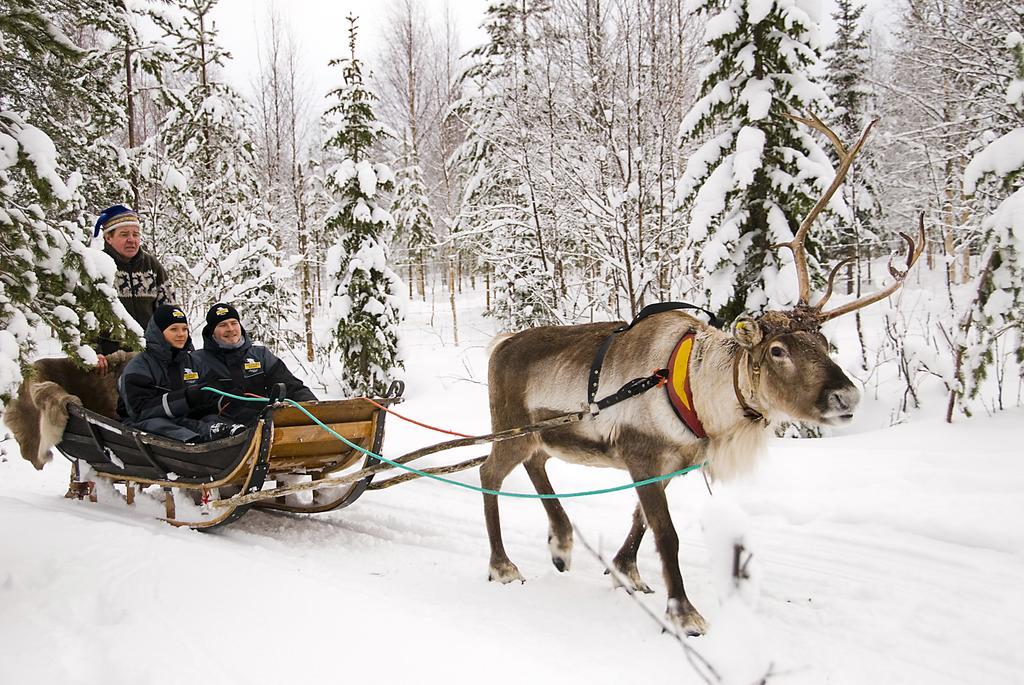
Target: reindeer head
x,y
788,367
789,370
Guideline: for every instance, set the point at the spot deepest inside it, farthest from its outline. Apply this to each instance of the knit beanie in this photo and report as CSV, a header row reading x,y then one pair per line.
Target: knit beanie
x,y
113,217
166,314
219,312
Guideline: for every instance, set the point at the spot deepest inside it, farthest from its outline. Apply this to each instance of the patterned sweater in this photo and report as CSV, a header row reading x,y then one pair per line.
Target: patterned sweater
x,y
141,284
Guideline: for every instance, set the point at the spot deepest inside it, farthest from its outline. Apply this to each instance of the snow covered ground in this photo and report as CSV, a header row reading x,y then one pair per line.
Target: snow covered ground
x,y
884,555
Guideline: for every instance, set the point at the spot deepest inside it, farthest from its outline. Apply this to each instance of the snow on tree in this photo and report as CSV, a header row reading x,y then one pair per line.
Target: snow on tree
x,y
569,159
947,99
416,56
285,125
74,100
141,63
414,222
846,76
758,173
945,89
998,305
623,78
847,87
406,90
51,283
224,246
364,305
499,215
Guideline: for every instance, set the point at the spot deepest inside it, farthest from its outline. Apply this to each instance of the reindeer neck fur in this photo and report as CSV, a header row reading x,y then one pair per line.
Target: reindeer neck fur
x,y
734,441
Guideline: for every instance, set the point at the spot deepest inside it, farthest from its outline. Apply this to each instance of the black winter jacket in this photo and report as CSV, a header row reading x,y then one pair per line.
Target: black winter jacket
x,y
154,383
141,284
246,369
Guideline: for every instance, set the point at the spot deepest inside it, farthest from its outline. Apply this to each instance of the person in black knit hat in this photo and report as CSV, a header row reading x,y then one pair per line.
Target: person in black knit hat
x,y
161,389
234,362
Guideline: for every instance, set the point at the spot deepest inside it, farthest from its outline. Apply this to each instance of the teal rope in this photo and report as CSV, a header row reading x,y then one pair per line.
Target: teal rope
x,y
467,486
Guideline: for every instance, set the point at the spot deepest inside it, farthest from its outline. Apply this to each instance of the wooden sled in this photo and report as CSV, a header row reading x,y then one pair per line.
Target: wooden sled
x,y
284,446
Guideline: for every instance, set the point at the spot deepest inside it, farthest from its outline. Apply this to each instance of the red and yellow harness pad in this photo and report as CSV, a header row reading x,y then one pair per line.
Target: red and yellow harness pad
x,y
678,387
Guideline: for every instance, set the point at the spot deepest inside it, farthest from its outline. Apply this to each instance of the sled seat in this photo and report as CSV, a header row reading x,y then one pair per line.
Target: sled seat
x,y
301,446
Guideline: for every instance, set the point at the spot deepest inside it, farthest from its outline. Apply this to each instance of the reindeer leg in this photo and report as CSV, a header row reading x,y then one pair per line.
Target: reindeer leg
x,y
559,527
655,508
625,559
492,473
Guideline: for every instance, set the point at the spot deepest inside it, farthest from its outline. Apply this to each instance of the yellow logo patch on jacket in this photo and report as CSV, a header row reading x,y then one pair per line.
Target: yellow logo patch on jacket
x,y
252,365
189,375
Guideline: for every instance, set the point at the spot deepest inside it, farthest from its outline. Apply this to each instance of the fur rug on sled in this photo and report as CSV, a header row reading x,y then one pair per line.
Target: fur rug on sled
x,y
38,414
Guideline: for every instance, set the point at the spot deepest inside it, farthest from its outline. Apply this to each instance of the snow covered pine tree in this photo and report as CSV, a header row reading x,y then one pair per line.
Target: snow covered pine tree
x,y
999,305
498,215
414,224
747,186
51,283
219,229
364,307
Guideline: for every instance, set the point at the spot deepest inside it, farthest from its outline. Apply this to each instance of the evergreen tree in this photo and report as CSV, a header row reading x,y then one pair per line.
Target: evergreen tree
x,y
74,101
847,70
414,222
846,85
998,307
50,281
140,62
364,307
759,173
227,249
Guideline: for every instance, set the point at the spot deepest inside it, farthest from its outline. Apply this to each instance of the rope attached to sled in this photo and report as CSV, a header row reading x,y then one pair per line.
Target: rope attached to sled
x,y
467,486
414,421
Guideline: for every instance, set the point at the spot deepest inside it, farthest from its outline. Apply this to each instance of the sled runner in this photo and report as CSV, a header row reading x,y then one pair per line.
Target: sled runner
x,y
285,446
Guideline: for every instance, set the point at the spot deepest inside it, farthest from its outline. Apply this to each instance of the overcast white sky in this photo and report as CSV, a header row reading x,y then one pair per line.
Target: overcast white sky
x,y
321,30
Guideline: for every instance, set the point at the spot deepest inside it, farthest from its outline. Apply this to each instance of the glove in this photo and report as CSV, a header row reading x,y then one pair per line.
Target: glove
x,y
199,398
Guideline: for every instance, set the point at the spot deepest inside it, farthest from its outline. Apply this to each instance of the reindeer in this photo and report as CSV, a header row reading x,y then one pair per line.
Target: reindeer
x,y
769,367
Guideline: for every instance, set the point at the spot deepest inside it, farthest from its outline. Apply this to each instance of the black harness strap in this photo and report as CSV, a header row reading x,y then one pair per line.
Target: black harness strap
x,y
637,385
632,389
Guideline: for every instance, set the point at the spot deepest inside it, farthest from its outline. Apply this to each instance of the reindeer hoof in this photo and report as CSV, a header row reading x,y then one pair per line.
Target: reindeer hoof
x,y
628,576
686,618
561,553
504,573
640,586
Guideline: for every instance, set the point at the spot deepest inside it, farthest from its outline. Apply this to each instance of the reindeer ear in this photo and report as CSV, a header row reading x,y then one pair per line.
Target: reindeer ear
x,y
747,332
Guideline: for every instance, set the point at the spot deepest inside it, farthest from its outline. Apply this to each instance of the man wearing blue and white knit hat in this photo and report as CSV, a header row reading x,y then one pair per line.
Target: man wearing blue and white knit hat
x,y
141,280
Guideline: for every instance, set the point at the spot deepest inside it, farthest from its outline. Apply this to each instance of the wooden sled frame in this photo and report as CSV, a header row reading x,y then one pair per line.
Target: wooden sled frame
x,y
284,443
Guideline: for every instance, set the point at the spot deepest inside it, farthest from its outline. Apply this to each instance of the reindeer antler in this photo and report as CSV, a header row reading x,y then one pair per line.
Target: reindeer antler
x,y
831,283
796,245
914,251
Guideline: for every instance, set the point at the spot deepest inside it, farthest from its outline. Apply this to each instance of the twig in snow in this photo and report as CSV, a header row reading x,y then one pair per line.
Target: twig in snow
x,y
462,379
692,655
